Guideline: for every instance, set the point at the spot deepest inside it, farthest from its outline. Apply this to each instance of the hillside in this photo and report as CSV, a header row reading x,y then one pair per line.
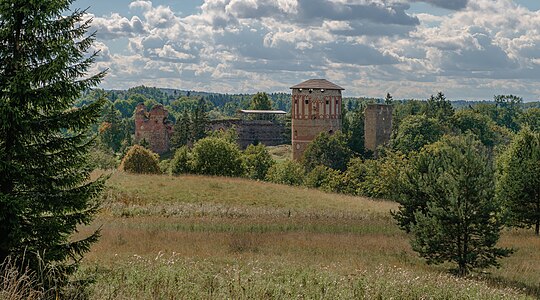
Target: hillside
x,y
203,237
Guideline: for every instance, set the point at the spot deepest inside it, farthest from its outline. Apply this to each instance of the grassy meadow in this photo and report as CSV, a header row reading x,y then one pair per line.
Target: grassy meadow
x,y
188,237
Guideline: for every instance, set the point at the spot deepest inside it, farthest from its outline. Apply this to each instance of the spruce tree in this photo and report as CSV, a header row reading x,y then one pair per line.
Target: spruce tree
x,y
199,121
45,191
182,131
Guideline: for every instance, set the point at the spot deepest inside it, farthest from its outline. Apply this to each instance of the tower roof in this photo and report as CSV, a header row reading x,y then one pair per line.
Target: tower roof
x,y
317,84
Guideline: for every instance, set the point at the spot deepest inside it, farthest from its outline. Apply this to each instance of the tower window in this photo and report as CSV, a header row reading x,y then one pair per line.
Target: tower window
x,y
327,102
337,102
307,101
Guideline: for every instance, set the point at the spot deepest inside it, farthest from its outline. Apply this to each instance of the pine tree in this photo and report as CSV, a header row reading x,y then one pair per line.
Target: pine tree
x,y
450,208
260,101
519,182
44,188
388,99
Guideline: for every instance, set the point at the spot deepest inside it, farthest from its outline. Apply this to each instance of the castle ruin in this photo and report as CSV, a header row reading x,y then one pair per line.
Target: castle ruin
x,y
316,108
153,127
377,126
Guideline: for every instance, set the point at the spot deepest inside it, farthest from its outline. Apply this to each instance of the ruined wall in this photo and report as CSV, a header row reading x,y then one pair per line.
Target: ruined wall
x,y
377,126
269,133
312,113
153,127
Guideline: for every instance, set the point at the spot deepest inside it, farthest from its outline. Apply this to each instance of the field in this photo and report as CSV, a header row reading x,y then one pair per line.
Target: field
x,y
190,237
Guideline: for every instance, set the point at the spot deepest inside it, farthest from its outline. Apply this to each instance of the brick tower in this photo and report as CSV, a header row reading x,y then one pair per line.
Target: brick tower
x,y
377,126
316,108
153,127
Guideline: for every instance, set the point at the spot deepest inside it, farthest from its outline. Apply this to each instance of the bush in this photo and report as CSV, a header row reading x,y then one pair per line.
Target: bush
x,y
216,156
140,160
257,161
102,159
328,180
165,166
180,164
288,172
376,178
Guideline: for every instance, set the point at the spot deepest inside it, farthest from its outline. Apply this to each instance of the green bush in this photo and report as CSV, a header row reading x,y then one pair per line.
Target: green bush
x,y
257,161
140,160
180,164
375,178
102,159
216,156
328,180
288,172
165,166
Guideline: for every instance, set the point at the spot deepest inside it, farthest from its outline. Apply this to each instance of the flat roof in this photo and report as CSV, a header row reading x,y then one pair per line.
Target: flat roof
x,y
263,112
317,84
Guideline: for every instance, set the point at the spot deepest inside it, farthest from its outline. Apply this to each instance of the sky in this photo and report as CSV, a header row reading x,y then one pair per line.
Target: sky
x,y
468,49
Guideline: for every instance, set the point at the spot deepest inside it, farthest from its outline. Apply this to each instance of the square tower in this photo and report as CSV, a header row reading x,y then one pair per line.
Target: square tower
x,y
316,108
378,126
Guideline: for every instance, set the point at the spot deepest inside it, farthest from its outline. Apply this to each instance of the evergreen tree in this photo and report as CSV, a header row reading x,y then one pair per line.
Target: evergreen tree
x,y
260,101
182,131
388,99
199,121
509,110
450,208
439,108
519,182
44,188
112,133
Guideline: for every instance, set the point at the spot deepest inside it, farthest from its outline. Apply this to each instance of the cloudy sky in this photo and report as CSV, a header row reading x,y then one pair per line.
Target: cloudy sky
x,y
469,49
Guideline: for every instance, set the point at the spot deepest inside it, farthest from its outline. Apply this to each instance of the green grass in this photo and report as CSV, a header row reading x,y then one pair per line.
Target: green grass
x,y
201,237
281,152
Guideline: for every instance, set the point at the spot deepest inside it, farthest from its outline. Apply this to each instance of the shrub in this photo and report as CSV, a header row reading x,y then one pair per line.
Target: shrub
x,y
257,161
216,156
288,172
101,158
328,180
140,160
180,164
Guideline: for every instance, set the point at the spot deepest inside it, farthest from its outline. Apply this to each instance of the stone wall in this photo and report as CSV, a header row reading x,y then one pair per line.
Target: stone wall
x,y
312,113
269,133
153,127
378,126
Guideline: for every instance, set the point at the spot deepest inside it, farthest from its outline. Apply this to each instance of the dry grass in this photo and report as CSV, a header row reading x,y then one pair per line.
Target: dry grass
x,y
224,227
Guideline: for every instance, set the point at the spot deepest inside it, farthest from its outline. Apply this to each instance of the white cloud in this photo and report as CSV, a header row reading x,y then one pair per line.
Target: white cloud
x,y
368,46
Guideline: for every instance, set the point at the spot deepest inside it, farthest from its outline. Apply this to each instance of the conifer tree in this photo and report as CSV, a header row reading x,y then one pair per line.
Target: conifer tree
x,y
44,188
447,202
519,182
182,131
199,121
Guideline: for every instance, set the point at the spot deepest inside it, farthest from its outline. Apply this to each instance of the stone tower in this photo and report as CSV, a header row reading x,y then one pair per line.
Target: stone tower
x,y
153,127
316,108
377,126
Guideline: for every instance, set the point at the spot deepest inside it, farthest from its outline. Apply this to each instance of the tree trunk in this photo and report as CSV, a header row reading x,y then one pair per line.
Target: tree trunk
x,y
537,229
